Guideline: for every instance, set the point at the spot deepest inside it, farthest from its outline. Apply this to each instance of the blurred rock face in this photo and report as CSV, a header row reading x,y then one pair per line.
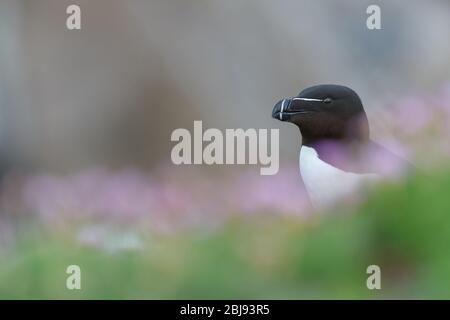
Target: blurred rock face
x,y
113,92
92,96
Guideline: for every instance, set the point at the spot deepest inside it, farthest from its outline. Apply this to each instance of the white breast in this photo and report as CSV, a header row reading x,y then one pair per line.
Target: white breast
x,y
327,185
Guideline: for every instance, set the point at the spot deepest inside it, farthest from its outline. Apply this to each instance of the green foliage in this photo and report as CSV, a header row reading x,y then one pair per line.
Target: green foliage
x,y
402,227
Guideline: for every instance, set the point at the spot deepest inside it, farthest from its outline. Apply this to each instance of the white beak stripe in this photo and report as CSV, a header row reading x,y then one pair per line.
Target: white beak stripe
x,y
282,108
307,99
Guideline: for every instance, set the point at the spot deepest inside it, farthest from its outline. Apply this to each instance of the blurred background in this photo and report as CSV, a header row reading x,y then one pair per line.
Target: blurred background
x,y
86,175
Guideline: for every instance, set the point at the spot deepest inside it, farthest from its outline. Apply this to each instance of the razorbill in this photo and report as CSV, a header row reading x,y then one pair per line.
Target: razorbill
x,y
337,156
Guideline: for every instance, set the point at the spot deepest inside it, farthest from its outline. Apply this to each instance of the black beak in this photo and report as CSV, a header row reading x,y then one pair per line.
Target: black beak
x,y
280,110
286,108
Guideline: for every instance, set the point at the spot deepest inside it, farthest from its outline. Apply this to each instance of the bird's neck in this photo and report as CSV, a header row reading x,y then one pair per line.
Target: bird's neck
x,y
343,154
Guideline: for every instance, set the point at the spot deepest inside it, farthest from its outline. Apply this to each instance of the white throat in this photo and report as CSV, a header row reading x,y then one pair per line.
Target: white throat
x,y
327,185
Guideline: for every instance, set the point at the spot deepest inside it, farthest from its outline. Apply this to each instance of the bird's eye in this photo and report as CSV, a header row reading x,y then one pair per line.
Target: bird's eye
x,y
327,100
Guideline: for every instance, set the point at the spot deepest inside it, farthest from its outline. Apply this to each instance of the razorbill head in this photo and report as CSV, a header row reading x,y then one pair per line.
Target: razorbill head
x,y
337,156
